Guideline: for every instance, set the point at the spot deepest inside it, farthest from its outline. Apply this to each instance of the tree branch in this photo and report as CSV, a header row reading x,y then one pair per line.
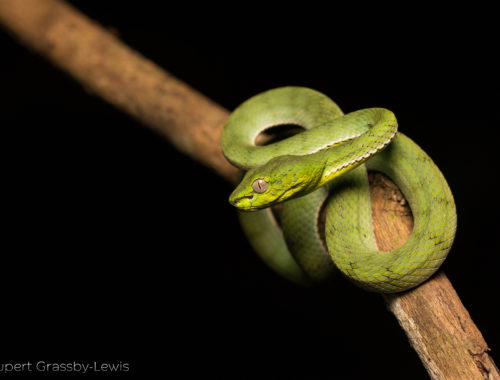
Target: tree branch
x,y
437,324
110,69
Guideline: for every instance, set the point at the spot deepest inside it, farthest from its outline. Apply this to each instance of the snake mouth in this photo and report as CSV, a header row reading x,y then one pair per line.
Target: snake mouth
x,y
247,202
241,201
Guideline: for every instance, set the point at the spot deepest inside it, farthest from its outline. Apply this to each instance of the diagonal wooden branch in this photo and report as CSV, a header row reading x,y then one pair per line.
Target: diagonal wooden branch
x,y
437,324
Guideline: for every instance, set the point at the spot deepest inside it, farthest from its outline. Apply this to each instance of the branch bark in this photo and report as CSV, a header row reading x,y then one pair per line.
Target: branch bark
x,y
110,69
432,315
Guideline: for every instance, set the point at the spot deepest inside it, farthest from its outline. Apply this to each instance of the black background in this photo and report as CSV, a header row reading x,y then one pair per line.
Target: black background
x,y
118,248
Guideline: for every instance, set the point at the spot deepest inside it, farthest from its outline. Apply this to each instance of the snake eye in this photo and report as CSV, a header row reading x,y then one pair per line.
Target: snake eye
x,y
259,185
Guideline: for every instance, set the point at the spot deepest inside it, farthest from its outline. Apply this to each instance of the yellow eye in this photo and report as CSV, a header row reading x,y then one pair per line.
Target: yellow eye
x,y
259,185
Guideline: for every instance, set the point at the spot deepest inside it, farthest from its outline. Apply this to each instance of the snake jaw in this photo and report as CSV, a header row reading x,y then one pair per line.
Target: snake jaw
x,y
243,202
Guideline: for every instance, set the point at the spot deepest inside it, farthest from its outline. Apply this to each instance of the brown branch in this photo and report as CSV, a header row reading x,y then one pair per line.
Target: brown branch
x,y
438,326
120,75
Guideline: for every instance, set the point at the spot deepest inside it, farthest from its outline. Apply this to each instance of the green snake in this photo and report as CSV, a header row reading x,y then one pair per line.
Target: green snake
x,y
329,160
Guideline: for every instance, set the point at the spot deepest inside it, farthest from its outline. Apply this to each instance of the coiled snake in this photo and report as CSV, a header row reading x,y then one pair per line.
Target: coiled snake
x,y
331,156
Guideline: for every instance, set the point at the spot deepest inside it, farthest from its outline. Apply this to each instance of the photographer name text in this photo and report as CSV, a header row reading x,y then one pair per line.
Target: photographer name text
x,y
74,366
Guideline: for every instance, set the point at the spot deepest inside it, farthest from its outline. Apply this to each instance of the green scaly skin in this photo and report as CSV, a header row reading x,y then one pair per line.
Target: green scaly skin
x,y
331,157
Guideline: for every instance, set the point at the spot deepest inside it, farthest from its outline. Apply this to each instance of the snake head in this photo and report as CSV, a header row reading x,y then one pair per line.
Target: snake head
x,y
279,179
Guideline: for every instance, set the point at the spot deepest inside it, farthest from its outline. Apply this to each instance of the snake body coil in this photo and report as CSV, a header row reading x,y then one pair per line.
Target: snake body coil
x,y
331,158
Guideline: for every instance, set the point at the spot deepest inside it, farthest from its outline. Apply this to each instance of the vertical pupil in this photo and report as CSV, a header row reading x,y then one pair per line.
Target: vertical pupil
x,y
259,185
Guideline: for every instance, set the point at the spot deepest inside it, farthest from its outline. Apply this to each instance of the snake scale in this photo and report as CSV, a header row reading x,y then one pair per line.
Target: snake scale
x,y
328,161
